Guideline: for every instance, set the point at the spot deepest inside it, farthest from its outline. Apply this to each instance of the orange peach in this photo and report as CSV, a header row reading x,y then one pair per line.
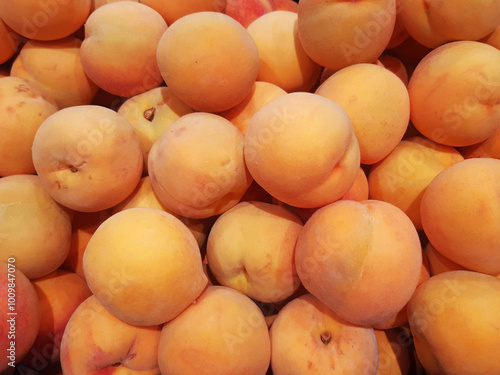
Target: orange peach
x,y
172,10
83,226
454,92
59,294
223,333
439,263
96,342
460,213
151,113
156,269
34,229
241,114
209,61
119,50
435,23
9,42
56,66
394,355
377,103
20,312
251,249
197,167
336,34
24,105
402,177
88,157
489,148
283,61
362,259
247,11
303,166
452,334
144,196
309,338
44,20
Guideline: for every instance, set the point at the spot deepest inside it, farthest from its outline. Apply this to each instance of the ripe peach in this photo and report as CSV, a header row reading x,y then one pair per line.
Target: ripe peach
x,y
362,259
394,355
251,249
402,177
88,157
156,269
489,148
197,167
56,66
338,33
439,263
460,213
283,61
44,20
96,342
209,61
17,332
9,41
24,105
241,114
34,229
452,334
435,23
309,338
247,11
59,294
151,113
172,10
144,196
377,103
454,92
119,49
303,166
223,333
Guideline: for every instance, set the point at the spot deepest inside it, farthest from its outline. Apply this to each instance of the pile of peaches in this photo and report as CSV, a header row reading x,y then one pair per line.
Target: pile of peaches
x,y
249,187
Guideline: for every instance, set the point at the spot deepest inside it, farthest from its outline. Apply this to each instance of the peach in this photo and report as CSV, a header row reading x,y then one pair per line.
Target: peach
x,y
460,213
402,177
56,66
336,34
20,311
452,334
489,148
96,342
247,11
151,113
120,57
88,157
156,269
309,338
439,263
435,23
83,226
283,61
197,167
144,196
172,10
377,103
209,61
44,20
9,41
394,65
395,357
251,249
35,230
241,114
223,333
361,259
454,93
59,294
303,166
24,105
